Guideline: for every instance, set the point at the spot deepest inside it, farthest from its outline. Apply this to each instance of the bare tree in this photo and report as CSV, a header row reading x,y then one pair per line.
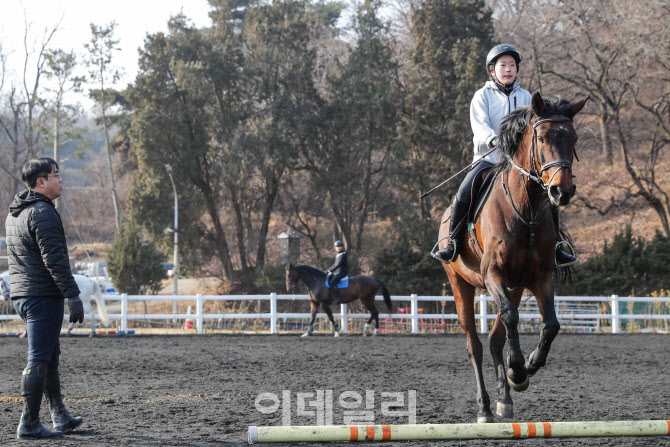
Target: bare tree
x,y
101,48
22,117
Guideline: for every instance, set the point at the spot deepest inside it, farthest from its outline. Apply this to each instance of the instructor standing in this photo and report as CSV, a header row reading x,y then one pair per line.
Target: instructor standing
x,y
40,278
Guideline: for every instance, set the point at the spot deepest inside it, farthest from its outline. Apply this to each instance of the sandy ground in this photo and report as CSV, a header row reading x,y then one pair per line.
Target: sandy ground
x,y
201,390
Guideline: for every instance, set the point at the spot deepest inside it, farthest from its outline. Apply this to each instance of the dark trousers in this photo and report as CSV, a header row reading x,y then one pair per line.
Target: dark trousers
x,y
43,318
334,279
464,194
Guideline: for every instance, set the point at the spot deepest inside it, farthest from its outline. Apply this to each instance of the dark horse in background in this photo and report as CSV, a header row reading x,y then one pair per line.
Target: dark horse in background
x,y
361,287
513,244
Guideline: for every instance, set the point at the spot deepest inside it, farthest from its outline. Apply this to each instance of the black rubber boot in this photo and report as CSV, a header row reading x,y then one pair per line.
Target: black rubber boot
x,y
563,258
32,389
459,212
62,420
338,297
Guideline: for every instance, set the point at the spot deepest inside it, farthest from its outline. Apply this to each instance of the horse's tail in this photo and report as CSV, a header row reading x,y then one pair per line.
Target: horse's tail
x,y
387,296
102,308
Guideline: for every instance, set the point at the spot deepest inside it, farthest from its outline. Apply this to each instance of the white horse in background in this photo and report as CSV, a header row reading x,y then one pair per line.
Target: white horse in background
x,y
89,290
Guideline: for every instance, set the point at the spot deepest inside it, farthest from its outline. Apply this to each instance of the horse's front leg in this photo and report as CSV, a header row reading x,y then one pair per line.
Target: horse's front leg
x,y
544,295
517,376
332,320
505,406
315,308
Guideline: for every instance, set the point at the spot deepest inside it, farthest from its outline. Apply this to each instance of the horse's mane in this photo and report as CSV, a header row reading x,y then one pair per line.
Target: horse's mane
x,y
310,269
514,126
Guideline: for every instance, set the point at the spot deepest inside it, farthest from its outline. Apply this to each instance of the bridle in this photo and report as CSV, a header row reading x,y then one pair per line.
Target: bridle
x,y
535,218
536,175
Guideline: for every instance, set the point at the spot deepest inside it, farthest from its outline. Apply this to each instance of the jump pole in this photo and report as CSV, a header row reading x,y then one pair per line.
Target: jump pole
x,y
355,433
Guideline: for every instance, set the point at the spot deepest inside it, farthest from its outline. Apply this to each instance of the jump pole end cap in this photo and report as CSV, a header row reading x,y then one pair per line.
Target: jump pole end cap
x,y
253,434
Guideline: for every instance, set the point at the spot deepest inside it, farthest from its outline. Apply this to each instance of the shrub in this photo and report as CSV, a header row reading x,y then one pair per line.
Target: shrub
x,y
134,265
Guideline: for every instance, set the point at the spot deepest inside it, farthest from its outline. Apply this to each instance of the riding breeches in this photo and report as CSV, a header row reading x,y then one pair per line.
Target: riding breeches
x,y
43,318
334,279
464,194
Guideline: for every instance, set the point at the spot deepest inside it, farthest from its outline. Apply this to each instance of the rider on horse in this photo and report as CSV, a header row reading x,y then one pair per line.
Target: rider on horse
x,y
499,96
341,265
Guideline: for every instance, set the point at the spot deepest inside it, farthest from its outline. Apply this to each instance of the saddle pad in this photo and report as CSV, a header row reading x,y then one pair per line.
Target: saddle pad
x,y
343,284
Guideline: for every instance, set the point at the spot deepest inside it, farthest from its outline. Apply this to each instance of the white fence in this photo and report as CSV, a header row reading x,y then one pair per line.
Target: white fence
x,y
569,309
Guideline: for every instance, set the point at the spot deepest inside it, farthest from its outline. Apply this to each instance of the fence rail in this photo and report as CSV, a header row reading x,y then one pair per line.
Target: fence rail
x,y
575,313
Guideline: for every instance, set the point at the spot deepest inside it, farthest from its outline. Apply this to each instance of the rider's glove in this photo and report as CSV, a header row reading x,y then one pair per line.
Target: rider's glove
x,y
76,309
327,272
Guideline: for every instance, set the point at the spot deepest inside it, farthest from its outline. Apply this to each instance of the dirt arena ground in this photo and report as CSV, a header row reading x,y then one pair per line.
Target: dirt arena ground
x,y
201,390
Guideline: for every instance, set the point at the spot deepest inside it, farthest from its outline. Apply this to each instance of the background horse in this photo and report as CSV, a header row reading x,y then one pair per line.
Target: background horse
x,y
361,287
514,240
90,290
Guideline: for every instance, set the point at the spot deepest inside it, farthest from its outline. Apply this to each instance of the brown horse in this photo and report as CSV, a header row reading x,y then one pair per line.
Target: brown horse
x,y
514,247
361,287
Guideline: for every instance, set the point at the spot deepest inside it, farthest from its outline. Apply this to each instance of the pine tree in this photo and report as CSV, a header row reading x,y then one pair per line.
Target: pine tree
x,y
133,264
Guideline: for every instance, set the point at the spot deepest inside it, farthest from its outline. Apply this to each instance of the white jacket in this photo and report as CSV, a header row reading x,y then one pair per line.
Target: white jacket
x,y
487,110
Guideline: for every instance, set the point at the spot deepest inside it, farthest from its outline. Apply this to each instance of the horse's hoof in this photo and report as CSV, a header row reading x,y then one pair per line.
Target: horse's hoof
x,y
337,334
485,419
518,387
306,334
365,334
376,333
504,410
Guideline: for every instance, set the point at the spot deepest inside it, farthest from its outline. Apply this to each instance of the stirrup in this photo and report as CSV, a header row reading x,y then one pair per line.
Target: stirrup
x,y
436,248
570,251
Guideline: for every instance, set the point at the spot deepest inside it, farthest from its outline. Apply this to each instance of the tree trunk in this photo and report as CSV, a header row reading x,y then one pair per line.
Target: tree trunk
x,y
271,190
605,138
115,199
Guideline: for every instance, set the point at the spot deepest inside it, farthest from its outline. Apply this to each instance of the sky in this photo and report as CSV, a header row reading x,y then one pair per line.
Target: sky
x,y
134,18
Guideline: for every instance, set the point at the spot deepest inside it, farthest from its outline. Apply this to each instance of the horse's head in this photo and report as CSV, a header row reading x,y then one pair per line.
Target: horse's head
x,y
292,276
552,146
4,285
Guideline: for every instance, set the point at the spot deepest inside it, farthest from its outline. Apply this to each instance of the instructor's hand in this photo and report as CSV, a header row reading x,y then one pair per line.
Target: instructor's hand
x,y
76,309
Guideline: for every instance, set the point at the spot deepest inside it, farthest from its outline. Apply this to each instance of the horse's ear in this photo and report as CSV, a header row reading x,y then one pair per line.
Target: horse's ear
x,y
576,107
538,104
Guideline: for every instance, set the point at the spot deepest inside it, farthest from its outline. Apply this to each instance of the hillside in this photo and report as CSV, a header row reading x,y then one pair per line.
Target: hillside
x,y
600,184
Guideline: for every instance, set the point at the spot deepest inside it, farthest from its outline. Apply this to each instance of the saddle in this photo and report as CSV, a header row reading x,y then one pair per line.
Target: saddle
x,y
482,185
343,284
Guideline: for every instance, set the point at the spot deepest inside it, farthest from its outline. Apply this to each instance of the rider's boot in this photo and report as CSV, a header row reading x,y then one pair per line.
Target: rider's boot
x,y
62,420
563,258
32,389
459,212
338,297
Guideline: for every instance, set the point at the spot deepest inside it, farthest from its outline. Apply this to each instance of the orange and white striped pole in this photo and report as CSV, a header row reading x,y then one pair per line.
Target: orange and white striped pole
x,y
458,431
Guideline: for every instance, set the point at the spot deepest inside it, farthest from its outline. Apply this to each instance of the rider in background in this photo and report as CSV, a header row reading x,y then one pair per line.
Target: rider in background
x,y
340,266
500,95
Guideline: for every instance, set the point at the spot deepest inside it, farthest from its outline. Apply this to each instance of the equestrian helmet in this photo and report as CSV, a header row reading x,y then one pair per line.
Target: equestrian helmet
x,y
498,51
339,244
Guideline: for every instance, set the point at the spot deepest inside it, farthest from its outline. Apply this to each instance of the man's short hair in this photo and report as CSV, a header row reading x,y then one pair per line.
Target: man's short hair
x,y
37,168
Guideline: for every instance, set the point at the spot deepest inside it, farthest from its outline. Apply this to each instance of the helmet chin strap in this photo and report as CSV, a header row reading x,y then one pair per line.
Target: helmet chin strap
x,y
503,87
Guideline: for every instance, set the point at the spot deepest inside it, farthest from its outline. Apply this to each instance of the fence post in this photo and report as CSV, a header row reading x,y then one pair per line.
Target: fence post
x,y
124,312
344,327
415,314
199,312
615,314
484,313
273,313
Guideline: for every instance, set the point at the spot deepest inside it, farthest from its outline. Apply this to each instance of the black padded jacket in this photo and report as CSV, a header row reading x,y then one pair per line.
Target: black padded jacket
x,y
341,263
39,264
